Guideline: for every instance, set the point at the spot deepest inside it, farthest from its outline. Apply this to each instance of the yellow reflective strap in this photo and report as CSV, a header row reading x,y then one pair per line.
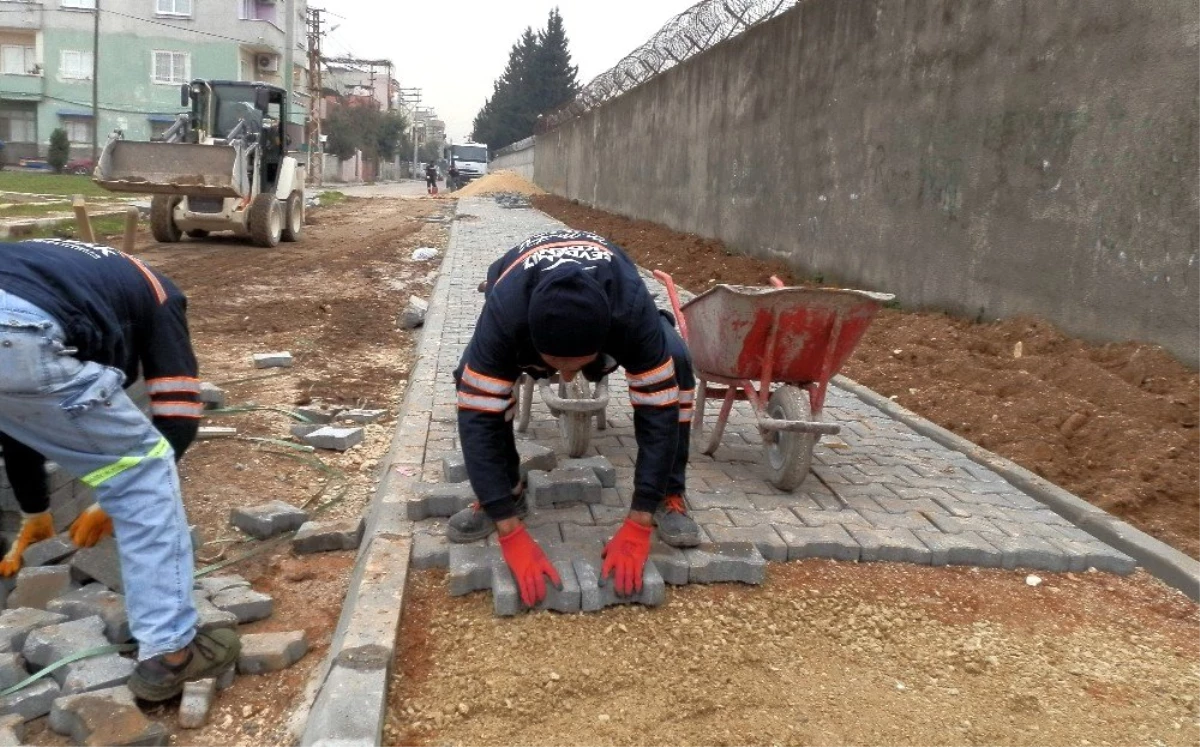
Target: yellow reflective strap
x,y
108,472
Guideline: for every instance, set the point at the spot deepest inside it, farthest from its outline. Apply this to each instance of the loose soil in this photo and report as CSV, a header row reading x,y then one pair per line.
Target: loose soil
x,y
823,653
499,182
1115,424
331,300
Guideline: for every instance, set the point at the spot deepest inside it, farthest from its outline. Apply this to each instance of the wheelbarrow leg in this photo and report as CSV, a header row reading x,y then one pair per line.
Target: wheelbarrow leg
x,y
698,414
719,428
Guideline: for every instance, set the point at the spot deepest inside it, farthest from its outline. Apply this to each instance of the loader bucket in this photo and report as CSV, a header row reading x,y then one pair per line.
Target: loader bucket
x,y
173,169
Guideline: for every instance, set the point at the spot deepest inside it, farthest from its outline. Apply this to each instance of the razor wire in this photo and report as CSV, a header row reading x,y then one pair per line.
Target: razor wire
x,y
700,27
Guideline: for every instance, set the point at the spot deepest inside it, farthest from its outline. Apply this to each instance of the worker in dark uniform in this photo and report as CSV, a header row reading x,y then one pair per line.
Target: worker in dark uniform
x,y
431,177
573,303
76,320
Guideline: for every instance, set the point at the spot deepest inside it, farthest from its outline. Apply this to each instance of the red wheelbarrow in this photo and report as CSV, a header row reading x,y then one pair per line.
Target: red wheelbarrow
x,y
771,347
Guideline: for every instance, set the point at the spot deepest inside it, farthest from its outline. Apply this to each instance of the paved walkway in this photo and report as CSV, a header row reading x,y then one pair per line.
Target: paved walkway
x,y
878,491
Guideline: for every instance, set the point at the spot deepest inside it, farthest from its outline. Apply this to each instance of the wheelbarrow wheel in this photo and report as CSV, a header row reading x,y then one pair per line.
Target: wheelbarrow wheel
x,y
576,427
789,454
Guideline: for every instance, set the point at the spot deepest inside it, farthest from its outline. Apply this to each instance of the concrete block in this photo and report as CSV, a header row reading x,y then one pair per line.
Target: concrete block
x,y
105,717
317,414
334,438
328,536
12,730
762,536
213,585
535,456
843,517
896,545
268,519
31,702
47,645
471,568
271,652
209,617
207,432
956,524
1084,554
605,472
96,599
16,624
362,417
225,679
429,551
196,702
589,536
563,485
964,548
506,599
672,563
726,563
1029,551
12,669
211,396
439,499
883,520
301,431
454,467
596,593
100,563
246,604
273,360
414,313
48,551
824,541
37,586
95,673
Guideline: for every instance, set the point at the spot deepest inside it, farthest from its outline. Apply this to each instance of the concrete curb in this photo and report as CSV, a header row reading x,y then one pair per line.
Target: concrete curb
x,y
1161,560
349,691
7,228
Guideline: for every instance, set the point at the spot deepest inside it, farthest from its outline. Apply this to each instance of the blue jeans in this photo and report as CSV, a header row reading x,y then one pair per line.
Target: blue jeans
x,y
77,414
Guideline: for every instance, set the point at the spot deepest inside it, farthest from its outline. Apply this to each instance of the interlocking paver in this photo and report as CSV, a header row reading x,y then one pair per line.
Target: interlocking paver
x,y
830,541
899,545
762,536
963,548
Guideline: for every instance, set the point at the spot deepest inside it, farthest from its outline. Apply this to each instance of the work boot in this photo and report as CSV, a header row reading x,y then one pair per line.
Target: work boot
x,y
675,527
34,528
208,655
472,523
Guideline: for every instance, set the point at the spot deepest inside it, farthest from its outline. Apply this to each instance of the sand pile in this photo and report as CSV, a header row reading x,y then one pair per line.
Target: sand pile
x,y
499,182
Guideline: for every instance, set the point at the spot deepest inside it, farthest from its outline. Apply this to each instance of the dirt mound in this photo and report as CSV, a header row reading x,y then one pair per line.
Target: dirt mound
x,y
499,182
1115,424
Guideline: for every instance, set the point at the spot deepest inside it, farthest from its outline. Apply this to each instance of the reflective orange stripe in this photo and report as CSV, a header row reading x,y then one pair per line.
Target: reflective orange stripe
x,y
176,409
485,383
173,384
156,286
654,375
483,404
664,398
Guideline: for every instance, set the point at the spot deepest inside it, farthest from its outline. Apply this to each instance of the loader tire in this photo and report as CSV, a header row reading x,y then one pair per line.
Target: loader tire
x,y
162,218
266,220
293,217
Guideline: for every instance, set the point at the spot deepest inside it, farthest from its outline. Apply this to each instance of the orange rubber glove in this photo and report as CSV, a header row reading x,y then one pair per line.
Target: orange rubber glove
x,y
34,528
528,564
625,557
92,526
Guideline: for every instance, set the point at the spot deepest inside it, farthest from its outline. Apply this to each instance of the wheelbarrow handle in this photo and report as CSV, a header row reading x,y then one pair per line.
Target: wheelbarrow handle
x,y
673,294
593,405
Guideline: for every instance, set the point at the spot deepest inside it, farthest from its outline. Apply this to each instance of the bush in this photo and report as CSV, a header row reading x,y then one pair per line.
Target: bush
x,y
60,150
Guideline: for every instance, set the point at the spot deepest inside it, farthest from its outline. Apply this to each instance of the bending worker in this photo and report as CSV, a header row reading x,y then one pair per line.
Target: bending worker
x,y
573,303
76,320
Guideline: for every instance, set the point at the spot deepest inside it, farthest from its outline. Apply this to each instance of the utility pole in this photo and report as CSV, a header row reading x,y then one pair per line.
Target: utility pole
x,y
96,84
289,71
374,95
316,157
415,95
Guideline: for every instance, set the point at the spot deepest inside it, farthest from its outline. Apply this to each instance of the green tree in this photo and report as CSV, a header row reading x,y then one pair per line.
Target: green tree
x,y
555,78
354,126
60,150
509,114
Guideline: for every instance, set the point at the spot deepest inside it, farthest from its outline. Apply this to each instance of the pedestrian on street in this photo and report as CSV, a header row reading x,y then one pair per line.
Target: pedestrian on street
x,y
572,303
452,184
431,177
76,321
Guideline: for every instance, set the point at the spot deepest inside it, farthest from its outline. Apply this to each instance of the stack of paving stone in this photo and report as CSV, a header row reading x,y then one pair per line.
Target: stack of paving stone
x,y
330,429
575,508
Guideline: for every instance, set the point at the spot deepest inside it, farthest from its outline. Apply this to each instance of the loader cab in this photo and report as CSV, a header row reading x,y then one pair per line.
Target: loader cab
x,y
218,107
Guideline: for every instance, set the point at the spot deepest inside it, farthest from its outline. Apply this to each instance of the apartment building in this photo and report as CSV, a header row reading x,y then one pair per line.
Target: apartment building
x,y
146,49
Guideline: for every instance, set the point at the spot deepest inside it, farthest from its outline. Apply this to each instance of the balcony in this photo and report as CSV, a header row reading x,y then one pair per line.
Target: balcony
x,y
27,87
18,14
258,25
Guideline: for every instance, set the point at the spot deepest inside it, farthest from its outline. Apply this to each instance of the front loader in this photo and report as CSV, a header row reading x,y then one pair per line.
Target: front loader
x,y
223,166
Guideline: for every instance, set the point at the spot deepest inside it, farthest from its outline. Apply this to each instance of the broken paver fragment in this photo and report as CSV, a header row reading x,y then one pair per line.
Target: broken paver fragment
x,y
105,717
273,360
244,603
211,396
270,652
605,472
301,431
328,536
31,702
268,519
16,625
196,702
414,313
37,586
12,730
12,669
563,485
361,416
317,414
213,585
209,617
535,456
47,645
96,599
334,438
454,467
100,563
48,551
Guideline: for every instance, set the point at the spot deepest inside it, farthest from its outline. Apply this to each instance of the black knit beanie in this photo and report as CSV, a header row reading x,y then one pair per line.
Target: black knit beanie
x,y
568,313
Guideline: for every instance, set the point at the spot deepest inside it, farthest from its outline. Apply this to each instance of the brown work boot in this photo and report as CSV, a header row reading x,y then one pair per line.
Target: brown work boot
x,y
208,655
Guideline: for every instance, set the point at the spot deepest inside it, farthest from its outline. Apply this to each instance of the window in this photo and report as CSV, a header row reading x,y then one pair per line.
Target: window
x,y
18,126
18,60
84,4
75,64
171,68
173,7
78,130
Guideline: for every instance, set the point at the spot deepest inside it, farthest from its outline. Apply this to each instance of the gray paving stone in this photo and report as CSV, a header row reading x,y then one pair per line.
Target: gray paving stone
x,y
506,598
12,730
96,599
429,551
579,513
830,541
271,652
31,702
328,536
362,416
535,457
884,520
301,431
209,617
100,563
334,438
964,548
273,360
843,517
46,645
563,485
762,536
586,535
596,594
212,585
672,563
698,501
897,545
48,551
602,467
439,499
787,502
1095,554
268,519
454,467
17,623
37,586
95,673
245,604
105,717
725,563
471,568
1028,551
12,669
211,396
955,524
318,414
196,702
742,518
608,515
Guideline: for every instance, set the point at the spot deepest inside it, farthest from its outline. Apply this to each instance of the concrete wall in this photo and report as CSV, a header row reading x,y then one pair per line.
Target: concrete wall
x,y
988,156
519,157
